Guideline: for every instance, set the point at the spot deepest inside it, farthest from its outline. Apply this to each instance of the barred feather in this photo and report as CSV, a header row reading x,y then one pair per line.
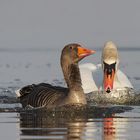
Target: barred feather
x,y
41,95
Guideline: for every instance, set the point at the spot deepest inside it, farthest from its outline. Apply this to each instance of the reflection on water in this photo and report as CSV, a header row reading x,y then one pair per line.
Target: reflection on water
x,y
26,67
109,129
121,128
34,125
43,125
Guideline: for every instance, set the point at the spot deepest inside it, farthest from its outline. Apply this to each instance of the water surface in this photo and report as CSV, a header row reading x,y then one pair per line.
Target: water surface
x,y
22,67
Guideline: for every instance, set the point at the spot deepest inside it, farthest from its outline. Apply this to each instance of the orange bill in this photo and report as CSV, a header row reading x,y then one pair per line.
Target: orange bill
x,y
108,81
83,52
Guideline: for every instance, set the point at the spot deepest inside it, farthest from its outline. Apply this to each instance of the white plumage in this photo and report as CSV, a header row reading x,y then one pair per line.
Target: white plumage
x,y
92,75
92,78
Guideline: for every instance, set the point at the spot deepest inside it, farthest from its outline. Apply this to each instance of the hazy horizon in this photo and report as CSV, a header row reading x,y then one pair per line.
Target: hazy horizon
x,y
50,23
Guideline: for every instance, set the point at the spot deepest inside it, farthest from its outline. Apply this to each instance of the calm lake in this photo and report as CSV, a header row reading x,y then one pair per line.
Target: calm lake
x,y
22,67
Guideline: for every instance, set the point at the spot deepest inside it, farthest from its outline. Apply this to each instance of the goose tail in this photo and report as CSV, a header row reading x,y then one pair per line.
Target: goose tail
x,y
18,95
24,91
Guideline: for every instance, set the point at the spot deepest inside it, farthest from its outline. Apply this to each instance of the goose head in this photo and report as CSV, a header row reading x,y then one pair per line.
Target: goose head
x,y
110,63
73,53
70,56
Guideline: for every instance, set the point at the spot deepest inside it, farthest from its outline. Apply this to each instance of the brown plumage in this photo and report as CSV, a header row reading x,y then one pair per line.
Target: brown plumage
x,y
46,95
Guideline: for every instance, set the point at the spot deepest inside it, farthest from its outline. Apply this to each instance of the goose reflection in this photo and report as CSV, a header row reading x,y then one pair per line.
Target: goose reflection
x,y
77,126
54,127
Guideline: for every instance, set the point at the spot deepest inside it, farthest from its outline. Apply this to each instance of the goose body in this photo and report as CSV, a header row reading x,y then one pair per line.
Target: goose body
x,y
46,95
94,76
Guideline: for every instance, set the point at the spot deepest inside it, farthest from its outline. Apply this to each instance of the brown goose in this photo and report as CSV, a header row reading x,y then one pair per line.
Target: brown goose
x,y
46,95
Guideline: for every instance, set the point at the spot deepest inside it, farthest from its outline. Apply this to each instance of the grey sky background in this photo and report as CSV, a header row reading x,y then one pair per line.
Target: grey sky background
x,y
54,23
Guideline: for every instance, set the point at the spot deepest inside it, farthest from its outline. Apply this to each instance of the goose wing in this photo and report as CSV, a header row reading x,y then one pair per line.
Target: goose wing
x,y
41,95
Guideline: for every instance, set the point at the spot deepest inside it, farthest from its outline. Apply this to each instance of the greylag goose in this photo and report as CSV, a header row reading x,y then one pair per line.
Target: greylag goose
x,y
46,95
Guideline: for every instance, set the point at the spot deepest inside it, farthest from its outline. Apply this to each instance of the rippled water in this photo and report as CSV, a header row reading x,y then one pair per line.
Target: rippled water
x,y
37,125
109,122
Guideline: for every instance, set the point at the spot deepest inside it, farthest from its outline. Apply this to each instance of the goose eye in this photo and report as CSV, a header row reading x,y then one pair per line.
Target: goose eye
x,y
71,48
